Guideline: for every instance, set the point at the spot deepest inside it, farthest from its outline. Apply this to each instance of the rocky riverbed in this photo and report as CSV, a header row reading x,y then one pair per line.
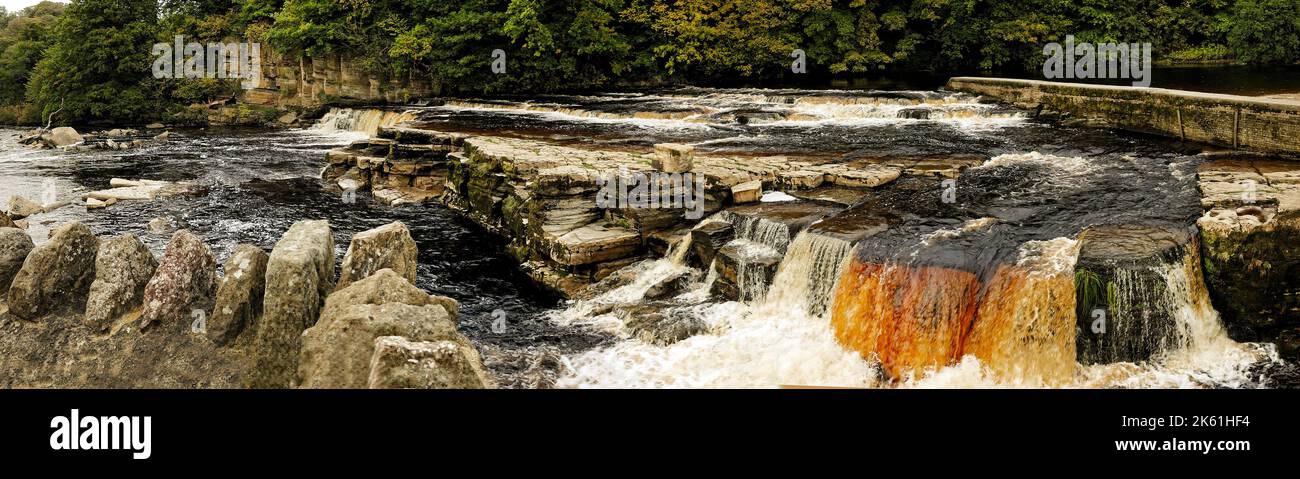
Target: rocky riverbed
x,y
902,239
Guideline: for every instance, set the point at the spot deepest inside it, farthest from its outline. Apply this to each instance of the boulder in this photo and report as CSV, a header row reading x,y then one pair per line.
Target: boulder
x,y
15,245
337,351
299,275
6,221
123,267
661,326
673,158
161,226
745,270
62,136
708,238
670,285
386,247
747,192
399,363
55,274
120,133
155,126
20,207
239,296
186,275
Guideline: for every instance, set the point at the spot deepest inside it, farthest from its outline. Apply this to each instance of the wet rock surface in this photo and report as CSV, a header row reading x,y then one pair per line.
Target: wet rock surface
x,y
1120,282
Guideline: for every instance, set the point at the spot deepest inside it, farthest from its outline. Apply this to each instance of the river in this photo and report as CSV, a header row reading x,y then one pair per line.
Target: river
x,y
1038,186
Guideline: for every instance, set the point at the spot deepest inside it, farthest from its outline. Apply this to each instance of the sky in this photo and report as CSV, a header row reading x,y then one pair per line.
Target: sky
x,y
16,5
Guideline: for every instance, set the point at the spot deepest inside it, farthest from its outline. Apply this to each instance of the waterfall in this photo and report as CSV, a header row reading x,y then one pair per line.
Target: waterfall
x,y
1024,327
759,230
364,120
775,342
809,272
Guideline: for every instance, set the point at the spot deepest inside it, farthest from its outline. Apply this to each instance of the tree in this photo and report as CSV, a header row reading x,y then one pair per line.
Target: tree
x,y
23,39
97,66
1265,31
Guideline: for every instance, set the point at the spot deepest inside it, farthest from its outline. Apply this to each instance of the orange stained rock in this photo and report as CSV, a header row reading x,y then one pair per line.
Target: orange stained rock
x,y
910,318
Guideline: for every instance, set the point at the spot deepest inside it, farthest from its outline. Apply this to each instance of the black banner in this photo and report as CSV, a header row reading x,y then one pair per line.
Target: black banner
x,y
324,429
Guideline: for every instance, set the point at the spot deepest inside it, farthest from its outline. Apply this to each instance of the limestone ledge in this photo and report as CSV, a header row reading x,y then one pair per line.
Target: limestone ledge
x,y
542,196
1248,241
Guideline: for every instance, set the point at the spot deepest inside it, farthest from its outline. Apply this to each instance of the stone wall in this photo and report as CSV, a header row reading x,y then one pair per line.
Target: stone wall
x,y
1266,125
309,82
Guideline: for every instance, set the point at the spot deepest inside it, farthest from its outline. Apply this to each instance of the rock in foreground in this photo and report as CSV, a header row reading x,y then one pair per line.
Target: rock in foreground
x,y
299,275
239,297
389,246
186,276
337,351
123,268
55,274
15,245
399,363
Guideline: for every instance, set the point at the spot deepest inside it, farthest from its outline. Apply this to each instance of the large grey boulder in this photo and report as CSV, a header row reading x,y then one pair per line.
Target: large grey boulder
x,y
62,136
389,246
299,275
239,297
399,363
337,352
55,274
186,276
15,245
123,268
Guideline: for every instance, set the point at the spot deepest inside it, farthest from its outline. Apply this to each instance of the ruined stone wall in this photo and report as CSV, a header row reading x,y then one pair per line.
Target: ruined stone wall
x,y
309,82
1249,123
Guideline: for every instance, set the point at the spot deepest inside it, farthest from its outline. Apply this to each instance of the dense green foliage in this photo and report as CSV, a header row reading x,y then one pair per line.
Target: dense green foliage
x,y
93,57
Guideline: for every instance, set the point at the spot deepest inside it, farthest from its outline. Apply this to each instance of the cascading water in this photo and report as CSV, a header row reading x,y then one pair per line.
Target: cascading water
x,y
361,120
779,341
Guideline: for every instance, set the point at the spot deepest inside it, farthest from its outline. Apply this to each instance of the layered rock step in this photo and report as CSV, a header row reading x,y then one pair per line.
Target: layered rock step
x,y
746,244
573,215
1248,242
1125,310
400,166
